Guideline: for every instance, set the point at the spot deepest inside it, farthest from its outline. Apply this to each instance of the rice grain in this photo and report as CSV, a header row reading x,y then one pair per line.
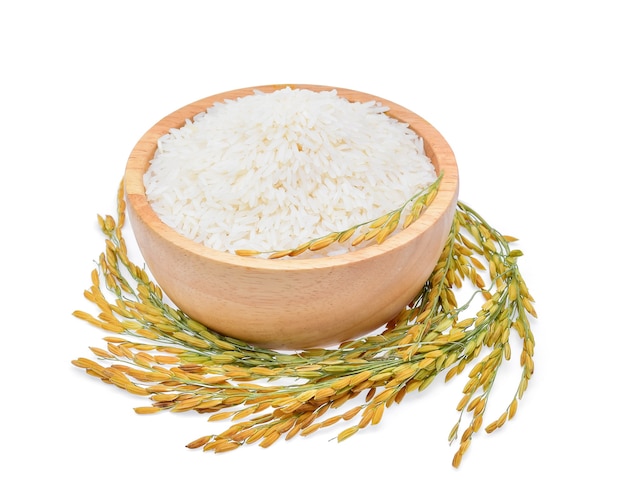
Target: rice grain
x,y
270,171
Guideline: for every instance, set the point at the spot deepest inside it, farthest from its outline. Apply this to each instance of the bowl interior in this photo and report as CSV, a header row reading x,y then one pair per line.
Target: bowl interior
x,y
436,148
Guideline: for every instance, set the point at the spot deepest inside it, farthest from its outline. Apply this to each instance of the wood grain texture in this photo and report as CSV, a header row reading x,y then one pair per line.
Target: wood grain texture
x,y
292,304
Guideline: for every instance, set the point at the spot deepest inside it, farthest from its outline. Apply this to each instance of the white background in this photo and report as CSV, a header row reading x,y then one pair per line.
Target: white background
x,y
530,95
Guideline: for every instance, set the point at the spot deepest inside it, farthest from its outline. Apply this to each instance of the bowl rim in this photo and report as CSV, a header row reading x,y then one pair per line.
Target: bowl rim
x,y
437,149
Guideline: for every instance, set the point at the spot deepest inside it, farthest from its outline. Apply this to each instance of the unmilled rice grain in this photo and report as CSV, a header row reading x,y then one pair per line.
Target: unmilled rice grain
x,y
271,171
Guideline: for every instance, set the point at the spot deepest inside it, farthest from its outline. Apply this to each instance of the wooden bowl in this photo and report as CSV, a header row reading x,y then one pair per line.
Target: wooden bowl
x,y
298,303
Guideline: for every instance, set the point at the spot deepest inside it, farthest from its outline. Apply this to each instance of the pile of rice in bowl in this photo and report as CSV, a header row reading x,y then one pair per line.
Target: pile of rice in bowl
x,y
270,171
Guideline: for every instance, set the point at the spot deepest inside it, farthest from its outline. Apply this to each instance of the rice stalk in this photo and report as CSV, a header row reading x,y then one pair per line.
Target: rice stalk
x,y
156,351
378,229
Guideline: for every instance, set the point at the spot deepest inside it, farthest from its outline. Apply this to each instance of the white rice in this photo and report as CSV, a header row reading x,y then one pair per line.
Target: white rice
x,y
271,171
